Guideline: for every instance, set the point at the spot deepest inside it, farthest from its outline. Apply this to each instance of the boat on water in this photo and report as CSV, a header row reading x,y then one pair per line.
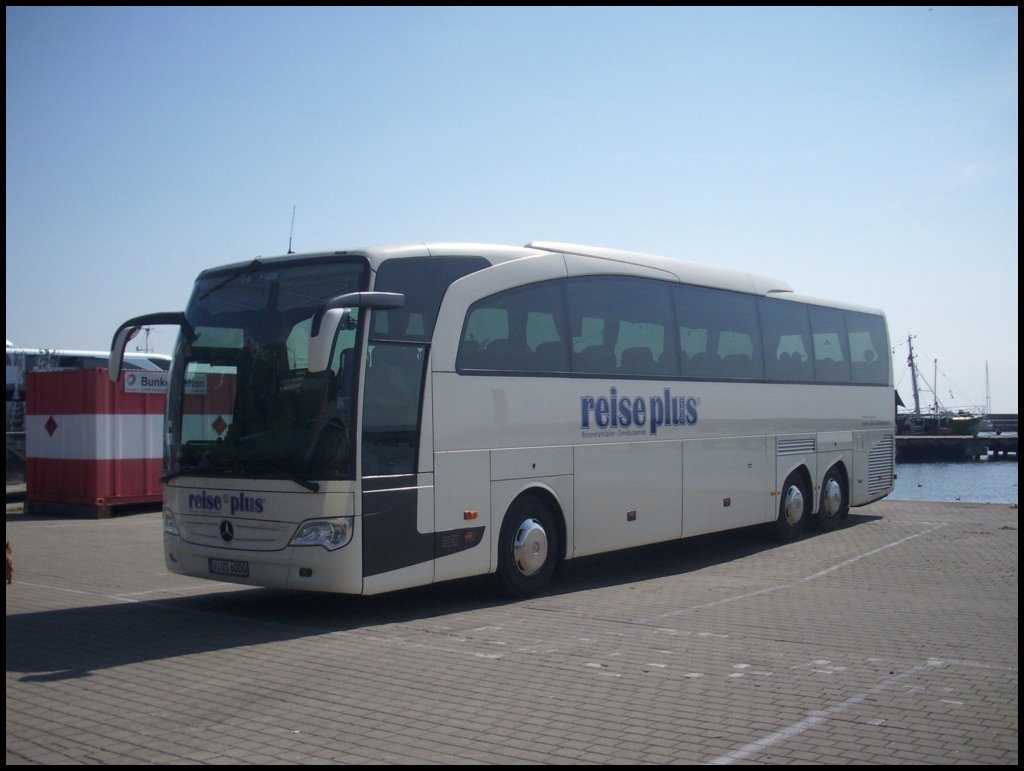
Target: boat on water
x,y
935,420
945,423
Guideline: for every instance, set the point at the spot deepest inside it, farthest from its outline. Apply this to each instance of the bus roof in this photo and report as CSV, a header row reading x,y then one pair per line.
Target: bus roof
x,y
681,270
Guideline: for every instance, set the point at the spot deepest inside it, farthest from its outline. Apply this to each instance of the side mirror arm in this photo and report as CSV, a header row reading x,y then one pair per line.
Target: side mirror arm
x,y
130,328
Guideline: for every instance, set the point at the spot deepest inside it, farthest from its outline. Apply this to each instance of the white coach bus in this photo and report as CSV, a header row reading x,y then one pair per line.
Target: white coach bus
x,y
370,420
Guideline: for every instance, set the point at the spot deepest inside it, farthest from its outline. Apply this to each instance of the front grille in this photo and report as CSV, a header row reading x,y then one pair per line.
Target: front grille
x,y
251,534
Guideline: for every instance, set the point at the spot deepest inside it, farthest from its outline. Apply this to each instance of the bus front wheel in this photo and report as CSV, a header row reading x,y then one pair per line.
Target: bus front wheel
x,y
528,548
793,506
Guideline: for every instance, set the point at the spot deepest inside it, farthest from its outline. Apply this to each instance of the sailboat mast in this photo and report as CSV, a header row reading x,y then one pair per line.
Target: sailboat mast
x,y
913,376
988,393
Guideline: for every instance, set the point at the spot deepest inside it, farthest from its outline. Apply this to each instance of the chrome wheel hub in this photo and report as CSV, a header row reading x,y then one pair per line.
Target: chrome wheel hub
x,y
530,547
793,508
832,499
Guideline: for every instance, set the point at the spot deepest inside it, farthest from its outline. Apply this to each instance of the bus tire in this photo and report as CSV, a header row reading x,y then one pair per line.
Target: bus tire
x,y
528,548
835,500
794,502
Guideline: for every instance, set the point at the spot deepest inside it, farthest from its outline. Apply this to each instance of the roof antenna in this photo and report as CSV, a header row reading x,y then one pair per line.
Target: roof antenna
x,y
290,232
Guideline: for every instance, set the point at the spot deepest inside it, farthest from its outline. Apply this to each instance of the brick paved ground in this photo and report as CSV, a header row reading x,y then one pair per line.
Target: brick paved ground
x,y
891,640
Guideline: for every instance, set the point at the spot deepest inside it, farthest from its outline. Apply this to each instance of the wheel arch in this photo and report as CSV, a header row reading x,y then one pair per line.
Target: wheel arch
x,y
550,498
805,475
529,542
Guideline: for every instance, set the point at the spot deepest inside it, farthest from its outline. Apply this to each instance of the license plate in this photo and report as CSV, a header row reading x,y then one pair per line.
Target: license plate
x,y
235,568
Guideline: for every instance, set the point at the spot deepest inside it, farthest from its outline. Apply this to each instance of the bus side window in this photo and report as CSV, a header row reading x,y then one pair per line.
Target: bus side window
x,y
520,330
831,356
638,361
621,325
506,355
544,334
485,325
867,337
591,354
692,347
787,340
391,396
703,364
551,356
594,360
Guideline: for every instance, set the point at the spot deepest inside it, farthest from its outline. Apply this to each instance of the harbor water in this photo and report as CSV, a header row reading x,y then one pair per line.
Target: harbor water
x,y
980,481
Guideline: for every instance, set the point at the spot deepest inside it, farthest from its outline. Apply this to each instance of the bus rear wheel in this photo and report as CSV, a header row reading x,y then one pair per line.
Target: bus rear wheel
x,y
528,548
793,506
835,502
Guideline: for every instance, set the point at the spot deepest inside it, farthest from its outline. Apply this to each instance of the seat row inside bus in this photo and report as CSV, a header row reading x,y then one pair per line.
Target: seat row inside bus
x,y
635,361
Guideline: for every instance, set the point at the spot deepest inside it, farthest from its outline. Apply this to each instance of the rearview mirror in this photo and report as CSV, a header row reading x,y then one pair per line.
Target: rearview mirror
x,y
130,329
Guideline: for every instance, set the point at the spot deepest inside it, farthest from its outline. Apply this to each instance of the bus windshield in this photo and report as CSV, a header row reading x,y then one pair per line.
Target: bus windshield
x,y
242,400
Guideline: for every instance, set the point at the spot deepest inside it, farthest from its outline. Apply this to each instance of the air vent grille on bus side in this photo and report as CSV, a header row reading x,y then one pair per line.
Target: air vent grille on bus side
x,y
880,466
799,446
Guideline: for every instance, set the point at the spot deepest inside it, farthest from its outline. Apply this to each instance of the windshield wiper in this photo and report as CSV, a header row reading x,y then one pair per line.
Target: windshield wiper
x,y
232,278
310,485
274,469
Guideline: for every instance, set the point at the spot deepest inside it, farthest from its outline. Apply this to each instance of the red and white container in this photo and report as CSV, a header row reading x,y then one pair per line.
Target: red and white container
x,y
91,444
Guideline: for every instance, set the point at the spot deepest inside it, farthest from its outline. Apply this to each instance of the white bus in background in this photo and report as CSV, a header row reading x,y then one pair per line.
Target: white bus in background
x,y
369,420
21,361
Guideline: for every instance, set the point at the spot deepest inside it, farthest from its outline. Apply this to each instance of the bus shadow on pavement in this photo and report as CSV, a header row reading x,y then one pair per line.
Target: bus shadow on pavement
x,y
671,558
65,644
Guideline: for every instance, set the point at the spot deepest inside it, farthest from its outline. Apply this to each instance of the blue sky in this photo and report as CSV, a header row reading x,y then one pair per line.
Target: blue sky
x,y
867,155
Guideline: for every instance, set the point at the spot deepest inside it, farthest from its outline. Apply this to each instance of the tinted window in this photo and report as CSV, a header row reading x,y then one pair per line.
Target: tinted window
x,y
423,281
831,357
621,326
521,330
787,341
394,377
869,348
719,334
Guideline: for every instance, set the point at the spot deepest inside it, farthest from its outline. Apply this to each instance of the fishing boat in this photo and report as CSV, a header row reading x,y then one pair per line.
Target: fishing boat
x,y
936,420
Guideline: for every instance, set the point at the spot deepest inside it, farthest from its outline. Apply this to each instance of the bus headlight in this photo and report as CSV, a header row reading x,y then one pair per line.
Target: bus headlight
x,y
330,533
170,526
